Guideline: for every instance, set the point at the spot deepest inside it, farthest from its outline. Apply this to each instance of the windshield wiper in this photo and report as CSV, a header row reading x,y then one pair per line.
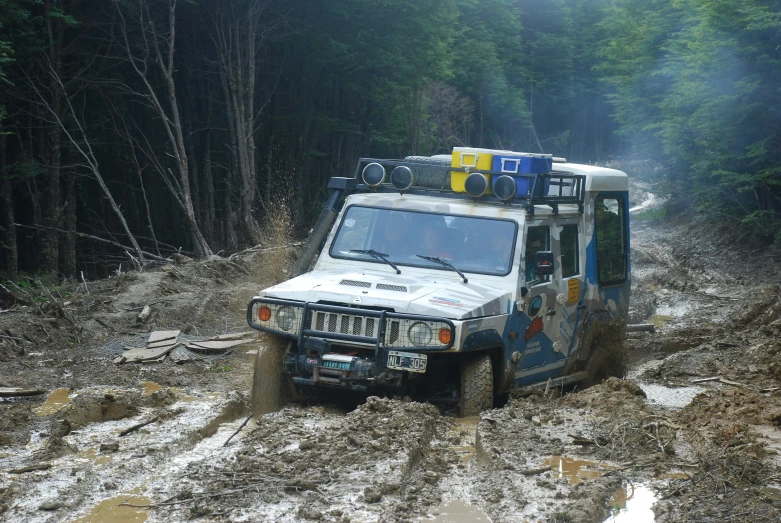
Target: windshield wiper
x,y
444,263
377,256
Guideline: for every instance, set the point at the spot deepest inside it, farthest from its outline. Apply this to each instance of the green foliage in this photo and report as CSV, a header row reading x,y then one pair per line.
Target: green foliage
x,y
650,214
697,81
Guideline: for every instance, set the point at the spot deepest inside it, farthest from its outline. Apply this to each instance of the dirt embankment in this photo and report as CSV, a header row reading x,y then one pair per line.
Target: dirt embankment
x,y
692,434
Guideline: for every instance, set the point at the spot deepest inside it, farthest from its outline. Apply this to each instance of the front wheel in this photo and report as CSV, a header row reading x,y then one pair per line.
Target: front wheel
x,y
477,386
270,387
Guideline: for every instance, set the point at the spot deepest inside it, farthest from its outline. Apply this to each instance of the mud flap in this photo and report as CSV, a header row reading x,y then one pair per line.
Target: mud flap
x,y
270,387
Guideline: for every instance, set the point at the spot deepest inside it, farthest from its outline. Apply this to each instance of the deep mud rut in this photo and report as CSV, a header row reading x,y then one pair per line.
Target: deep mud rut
x,y
661,445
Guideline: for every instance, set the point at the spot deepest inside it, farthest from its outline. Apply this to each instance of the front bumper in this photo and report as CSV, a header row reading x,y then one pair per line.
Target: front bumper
x,y
318,328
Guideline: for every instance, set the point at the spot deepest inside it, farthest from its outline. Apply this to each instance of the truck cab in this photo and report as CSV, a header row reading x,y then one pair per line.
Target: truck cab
x,y
456,296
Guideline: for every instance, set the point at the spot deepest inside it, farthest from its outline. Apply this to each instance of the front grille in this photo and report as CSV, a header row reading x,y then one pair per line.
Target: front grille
x,y
394,331
356,283
339,365
388,287
343,324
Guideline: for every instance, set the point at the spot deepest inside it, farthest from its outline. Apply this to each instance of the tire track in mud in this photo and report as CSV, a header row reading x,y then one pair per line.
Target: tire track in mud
x,y
94,470
374,463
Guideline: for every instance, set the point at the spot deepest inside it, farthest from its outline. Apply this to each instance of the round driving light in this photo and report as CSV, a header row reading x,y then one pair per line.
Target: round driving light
x,y
373,174
401,178
504,187
286,316
264,313
476,185
419,334
445,336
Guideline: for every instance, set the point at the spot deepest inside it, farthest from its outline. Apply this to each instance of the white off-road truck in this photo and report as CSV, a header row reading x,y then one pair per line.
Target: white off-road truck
x,y
453,280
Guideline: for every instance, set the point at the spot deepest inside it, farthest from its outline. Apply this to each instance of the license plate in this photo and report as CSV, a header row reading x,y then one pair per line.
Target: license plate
x,y
407,361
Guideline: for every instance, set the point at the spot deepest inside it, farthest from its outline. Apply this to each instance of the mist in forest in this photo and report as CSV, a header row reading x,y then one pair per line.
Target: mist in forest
x,y
133,129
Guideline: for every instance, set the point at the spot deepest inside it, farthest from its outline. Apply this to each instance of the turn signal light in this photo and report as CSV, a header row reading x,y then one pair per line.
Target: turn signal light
x,y
445,336
264,313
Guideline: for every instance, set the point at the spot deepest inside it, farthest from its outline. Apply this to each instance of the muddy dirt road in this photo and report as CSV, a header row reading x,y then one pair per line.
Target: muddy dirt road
x,y
692,434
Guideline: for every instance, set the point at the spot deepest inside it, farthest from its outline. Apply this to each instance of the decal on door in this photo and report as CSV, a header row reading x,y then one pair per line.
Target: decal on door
x,y
573,290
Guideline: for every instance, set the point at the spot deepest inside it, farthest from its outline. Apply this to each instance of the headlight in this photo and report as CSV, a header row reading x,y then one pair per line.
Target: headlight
x,y
286,316
420,334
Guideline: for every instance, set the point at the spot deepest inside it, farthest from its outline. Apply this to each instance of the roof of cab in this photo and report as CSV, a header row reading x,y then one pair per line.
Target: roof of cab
x,y
437,204
597,178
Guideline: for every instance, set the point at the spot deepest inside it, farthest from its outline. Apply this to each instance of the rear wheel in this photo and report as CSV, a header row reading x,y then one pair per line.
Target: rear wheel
x,y
607,355
270,387
477,386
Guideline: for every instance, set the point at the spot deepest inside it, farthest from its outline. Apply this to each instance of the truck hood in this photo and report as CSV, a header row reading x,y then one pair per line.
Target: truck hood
x,y
438,296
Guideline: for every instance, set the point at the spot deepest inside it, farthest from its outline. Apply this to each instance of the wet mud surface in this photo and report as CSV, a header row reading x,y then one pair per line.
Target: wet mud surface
x,y
692,434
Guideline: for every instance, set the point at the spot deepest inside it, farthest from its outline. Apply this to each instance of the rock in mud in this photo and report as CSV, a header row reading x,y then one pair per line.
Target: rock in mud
x,y
109,447
95,408
372,495
51,506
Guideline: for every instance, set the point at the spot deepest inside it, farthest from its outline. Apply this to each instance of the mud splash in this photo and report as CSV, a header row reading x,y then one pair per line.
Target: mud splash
x,y
56,401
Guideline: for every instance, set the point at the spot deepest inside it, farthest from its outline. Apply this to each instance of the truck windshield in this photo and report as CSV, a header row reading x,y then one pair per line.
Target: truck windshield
x,y
476,245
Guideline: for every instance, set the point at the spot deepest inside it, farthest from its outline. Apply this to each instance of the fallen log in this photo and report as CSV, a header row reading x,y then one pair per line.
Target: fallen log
x,y
138,426
31,468
641,327
15,392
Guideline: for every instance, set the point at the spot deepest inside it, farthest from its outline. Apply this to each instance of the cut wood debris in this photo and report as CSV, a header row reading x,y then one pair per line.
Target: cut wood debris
x,y
167,343
208,346
157,336
16,392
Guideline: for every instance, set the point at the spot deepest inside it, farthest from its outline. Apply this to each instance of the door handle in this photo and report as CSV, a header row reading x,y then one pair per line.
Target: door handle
x,y
551,312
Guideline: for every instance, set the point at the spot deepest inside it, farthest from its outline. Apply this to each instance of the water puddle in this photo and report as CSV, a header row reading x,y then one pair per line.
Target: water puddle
x,y
55,402
457,511
575,470
632,504
660,320
111,511
150,387
771,493
93,455
670,398
464,431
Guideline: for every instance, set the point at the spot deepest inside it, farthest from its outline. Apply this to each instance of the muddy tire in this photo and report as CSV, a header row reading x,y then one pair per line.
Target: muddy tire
x,y
477,386
270,387
607,356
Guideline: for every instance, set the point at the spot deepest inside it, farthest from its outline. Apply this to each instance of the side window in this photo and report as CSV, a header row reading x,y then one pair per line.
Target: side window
x,y
537,239
611,240
569,250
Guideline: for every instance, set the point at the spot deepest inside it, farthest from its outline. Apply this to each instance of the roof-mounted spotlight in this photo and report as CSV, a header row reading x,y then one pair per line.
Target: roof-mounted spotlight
x,y
505,188
401,178
373,175
476,185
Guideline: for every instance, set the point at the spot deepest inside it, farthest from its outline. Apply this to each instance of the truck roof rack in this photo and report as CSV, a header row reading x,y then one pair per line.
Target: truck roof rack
x,y
432,175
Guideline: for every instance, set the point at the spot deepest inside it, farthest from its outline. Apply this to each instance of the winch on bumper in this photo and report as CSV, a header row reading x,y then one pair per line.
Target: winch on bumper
x,y
346,347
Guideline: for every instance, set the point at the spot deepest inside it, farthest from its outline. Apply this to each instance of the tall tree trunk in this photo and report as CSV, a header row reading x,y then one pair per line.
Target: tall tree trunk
x,y
68,239
7,216
207,189
50,207
158,48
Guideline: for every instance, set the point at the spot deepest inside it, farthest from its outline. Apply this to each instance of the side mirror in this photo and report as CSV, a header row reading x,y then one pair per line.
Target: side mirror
x,y
543,260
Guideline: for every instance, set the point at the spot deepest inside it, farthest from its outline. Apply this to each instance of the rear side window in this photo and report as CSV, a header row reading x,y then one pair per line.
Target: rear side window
x,y
537,239
568,239
611,240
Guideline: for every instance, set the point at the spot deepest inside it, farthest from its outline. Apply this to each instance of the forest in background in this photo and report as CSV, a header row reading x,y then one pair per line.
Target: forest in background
x,y
132,129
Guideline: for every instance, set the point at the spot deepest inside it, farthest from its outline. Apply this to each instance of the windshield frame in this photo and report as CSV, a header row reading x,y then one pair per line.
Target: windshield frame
x,y
428,265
